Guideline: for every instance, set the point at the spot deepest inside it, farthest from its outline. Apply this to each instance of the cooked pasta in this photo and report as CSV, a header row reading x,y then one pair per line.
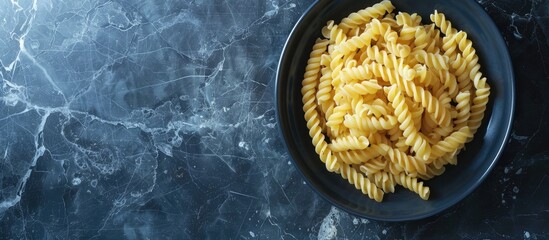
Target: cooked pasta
x,y
413,184
389,101
364,155
349,143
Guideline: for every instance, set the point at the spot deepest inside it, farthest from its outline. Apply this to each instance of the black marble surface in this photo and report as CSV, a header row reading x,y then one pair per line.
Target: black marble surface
x,y
155,120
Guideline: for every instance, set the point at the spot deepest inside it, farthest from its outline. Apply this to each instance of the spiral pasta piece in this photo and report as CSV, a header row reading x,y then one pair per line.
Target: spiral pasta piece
x,y
364,155
336,118
449,81
394,134
361,182
449,46
414,185
309,83
407,35
448,158
394,168
349,143
439,19
440,132
336,66
354,90
355,74
383,180
377,138
325,86
334,33
405,19
451,143
399,50
432,171
327,108
419,94
433,61
376,108
373,166
435,39
424,76
383,30
421,39
459,66
381,72
430,103
382,57
463,108
479,106
417,112
409,163
359,41
482,91
428,123
390,19
404,117
369,124
365,15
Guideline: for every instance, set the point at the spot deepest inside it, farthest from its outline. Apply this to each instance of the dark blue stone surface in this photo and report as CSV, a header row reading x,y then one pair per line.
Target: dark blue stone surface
x,y
155,120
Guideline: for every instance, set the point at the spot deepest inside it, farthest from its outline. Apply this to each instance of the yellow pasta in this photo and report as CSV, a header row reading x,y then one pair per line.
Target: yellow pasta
x,y
410,164
413,138
432,171
353,90
413,184
310,83
375,108
365,15
369,124
361,182
349,143
389,101
364,155
384,180
373,166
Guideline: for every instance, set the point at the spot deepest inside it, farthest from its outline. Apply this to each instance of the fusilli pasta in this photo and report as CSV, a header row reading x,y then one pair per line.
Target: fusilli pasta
x,y
390,101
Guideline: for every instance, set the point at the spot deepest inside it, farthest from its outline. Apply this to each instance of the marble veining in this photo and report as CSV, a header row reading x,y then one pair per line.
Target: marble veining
x,y
155,120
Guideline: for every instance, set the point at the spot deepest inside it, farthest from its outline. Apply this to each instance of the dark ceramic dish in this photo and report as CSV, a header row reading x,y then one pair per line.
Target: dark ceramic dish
x,y
474,163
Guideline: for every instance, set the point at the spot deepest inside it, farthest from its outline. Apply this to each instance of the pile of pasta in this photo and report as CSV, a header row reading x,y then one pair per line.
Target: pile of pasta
x,y
389,101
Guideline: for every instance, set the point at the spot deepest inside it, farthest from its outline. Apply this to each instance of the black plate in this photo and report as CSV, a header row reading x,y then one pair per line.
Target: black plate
x,y
474,163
